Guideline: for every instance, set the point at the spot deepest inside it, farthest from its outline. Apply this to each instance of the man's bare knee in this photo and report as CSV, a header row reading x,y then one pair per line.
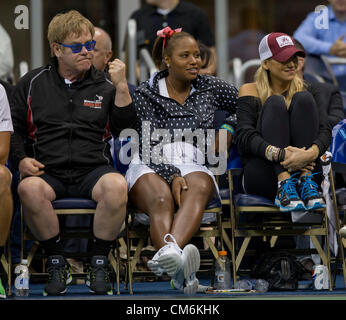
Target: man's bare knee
x,y
111,188
35,187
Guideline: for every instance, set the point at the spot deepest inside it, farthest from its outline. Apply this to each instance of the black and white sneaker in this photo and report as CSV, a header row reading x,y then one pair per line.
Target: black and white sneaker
x,y
59,275
98,276
287,198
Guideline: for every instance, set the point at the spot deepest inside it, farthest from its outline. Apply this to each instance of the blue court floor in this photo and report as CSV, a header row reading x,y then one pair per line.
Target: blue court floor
x,y
161,290
156,300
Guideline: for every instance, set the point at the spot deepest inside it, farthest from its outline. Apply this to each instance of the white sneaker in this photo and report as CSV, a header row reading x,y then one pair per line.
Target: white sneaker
x,y
168,259
154,266
191,264
185,279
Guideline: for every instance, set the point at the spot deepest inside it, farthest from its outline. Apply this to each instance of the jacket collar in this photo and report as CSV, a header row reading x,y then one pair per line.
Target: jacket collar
x,y
92,75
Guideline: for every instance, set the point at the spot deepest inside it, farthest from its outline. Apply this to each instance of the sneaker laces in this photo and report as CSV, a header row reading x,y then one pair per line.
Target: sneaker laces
x,y
289,187
309,187
169,244
172,243
99,272
57,273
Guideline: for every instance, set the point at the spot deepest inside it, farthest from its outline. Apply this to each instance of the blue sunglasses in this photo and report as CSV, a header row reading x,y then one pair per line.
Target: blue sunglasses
x,y
76,48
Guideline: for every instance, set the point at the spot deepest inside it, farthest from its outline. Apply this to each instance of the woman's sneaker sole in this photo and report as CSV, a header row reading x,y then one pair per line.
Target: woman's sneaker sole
x,y
68,281
192,262
316,205
298,207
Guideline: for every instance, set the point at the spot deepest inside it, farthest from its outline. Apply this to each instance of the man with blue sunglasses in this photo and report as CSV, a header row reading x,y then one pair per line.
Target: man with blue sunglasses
x,y
63,115
78,47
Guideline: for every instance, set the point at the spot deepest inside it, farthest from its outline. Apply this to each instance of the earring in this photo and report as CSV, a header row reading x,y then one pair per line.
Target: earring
x,y
168,65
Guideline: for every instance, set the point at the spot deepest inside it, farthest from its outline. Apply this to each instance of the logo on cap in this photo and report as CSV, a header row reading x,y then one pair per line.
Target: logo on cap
x,y
284,41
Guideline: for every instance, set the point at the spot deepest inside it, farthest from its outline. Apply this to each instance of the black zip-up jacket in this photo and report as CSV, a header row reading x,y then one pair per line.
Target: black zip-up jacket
x,y
66,127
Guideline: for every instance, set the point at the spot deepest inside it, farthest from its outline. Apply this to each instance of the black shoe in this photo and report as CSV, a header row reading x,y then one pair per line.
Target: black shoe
x,y
98,276
59,275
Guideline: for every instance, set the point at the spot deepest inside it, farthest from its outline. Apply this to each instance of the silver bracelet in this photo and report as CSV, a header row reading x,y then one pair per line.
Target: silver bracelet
x,y
272,153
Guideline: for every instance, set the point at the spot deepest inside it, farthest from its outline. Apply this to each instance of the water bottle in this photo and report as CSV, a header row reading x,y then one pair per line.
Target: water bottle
x,y
243,285
320,279
259,285
21,283
222,273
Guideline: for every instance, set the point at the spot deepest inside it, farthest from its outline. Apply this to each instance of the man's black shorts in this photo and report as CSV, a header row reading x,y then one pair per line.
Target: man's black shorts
x,y
83,188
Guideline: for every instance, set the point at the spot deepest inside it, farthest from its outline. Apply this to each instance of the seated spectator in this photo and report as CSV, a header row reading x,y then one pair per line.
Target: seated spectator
x,y
174,192
6,202
281,132
66,108
101,57
103,49
328,39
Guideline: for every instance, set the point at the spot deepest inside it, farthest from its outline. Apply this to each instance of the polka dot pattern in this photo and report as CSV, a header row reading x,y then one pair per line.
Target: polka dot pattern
x,y
208,94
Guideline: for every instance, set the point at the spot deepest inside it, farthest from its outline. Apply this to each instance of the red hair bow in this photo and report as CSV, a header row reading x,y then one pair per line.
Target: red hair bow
x,y
166,33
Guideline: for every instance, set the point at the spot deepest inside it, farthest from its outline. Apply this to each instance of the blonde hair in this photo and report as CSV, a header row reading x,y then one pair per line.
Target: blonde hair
x,y
265,91
64,24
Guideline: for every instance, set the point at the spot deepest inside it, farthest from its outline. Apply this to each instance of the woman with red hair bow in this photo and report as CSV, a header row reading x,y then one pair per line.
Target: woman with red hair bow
x,y
174,192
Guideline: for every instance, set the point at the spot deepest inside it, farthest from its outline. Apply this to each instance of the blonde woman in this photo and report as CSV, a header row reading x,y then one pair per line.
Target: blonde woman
x,y
281,132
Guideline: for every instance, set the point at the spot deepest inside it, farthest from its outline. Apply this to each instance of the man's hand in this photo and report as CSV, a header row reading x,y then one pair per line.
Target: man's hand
x,y
117,72
178,185
297,159
338,48
30,167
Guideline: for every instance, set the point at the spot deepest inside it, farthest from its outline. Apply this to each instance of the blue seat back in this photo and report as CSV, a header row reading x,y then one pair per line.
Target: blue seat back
x,y
233,161
338,143
119,154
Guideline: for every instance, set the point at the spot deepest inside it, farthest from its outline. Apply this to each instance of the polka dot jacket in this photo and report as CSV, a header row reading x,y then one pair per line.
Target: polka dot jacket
x,y
208,94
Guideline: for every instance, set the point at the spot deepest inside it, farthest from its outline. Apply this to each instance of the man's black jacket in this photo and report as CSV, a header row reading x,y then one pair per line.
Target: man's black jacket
x,y
66,126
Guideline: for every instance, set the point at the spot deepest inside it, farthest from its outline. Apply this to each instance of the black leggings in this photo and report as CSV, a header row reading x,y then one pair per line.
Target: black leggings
x,y
298,126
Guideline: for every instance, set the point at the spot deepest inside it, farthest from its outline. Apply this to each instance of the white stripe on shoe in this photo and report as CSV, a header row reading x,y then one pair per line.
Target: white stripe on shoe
x,y
154,266
170,261
191,263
